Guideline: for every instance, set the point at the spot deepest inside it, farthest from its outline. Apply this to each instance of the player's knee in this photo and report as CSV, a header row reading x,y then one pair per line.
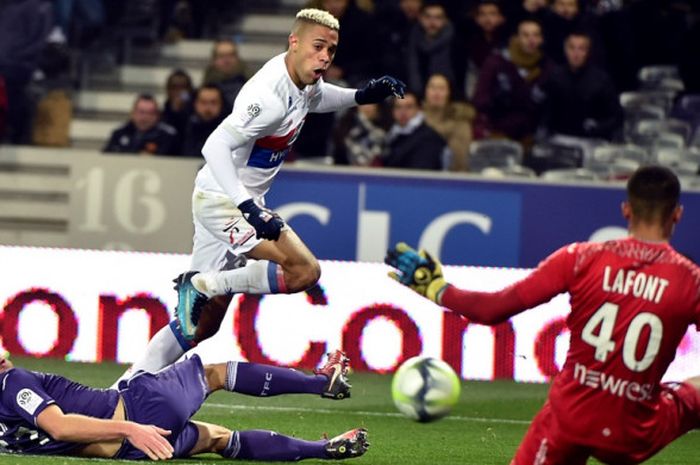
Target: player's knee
x,y
304,276
311,275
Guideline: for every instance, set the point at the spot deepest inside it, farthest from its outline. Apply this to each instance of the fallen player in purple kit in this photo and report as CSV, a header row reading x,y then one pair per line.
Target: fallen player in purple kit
x,y
149,415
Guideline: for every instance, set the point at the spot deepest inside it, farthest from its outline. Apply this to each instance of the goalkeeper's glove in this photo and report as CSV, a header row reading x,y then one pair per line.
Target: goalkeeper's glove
x,y
267,224
417,270
377,90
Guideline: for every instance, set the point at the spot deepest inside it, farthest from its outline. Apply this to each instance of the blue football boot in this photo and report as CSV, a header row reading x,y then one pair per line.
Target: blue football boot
x,y
189,304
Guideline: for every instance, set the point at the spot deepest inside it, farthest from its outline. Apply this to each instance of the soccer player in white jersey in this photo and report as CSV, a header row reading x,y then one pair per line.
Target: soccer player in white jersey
x,y
243,155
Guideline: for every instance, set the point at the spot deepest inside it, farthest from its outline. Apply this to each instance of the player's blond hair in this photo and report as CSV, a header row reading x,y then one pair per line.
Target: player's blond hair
x,y
316,16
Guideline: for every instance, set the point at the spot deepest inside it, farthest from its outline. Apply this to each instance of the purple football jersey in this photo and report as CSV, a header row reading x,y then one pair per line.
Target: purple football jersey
x,y
25,394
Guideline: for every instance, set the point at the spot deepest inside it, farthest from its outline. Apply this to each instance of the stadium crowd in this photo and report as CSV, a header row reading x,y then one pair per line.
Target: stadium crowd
x,y
549,78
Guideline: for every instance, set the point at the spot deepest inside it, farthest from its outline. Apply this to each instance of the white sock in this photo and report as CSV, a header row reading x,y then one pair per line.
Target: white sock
x,y
260,277
162,350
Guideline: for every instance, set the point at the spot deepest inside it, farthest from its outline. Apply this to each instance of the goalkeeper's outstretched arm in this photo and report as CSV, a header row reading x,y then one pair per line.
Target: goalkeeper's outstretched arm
x,y
423,273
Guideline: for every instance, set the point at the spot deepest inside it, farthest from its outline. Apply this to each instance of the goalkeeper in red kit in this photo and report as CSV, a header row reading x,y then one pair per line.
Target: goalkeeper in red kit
x,y
632,301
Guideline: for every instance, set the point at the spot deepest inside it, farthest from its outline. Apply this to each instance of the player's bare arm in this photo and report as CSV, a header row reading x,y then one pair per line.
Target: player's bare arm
x,y
83,429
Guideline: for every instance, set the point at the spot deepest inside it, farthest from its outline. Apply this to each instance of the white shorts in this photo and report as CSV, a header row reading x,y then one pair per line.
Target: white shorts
x,y
221,234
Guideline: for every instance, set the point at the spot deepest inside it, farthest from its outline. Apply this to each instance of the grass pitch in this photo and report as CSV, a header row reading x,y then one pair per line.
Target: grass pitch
x,y
484,429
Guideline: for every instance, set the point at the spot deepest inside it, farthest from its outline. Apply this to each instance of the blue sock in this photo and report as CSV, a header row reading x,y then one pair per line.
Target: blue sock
x,y
259,380
271,446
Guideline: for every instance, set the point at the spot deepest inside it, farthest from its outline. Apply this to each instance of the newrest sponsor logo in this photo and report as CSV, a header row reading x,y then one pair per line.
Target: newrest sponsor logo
x,y
92,306
612,384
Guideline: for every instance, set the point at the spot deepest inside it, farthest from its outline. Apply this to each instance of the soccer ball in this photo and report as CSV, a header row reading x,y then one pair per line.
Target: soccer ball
x,y
425,388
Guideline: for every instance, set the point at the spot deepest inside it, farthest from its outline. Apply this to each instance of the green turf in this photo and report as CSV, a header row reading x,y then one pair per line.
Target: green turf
x,y
484,429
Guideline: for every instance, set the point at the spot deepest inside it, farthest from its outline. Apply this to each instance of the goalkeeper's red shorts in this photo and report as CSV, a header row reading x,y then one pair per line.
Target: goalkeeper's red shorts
x,y
678,412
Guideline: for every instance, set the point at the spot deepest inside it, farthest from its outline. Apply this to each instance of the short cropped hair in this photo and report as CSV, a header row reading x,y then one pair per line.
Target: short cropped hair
x,y
432,4
223,40
529,19
653,193
216,88
146,98
315,16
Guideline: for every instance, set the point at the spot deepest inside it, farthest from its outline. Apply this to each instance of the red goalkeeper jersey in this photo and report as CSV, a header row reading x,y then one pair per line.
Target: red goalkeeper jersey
x,y
631,304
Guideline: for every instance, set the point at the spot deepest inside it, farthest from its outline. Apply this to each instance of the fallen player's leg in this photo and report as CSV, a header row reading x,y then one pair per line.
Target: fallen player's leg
x,y
272,446
254,379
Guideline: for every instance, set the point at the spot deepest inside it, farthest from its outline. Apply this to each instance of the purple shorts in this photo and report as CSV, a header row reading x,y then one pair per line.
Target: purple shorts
x,y
167,399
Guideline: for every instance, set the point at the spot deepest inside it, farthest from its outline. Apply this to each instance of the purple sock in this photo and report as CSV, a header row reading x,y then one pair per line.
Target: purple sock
x,y
270,446
259,380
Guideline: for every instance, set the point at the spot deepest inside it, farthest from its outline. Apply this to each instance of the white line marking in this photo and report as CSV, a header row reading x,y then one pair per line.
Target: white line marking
x,y
507,421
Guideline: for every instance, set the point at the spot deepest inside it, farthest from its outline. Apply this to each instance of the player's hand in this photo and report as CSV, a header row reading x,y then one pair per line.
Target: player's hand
x,y
267,224
417,270
377,90
150,440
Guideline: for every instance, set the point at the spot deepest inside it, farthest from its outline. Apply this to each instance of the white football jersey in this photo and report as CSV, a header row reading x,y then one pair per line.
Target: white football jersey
x,y
269,113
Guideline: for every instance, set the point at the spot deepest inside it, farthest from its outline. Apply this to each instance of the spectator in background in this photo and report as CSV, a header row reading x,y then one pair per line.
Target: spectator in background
x,y
77,21
395,23
144,133
486,36
411,143
563,18
24,28
618,41
688,63
178,104
581,98
452,120
353,62
3,108
509,93
524,9
208,113
351,66
226,70
430,47
360,136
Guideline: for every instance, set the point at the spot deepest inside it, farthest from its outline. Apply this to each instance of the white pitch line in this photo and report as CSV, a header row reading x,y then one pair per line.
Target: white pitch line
x,y
271,408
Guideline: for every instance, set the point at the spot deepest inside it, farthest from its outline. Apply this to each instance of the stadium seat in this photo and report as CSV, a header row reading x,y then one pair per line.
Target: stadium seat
x,y
496,153
644,111
608,153
689,182
660,77
646,131
682,161
514,171
668,140
660,98
551,155
617,161
571,174
655,73
635,112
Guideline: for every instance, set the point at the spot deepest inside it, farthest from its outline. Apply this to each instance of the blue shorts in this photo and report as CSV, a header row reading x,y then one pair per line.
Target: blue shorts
x,y
167,399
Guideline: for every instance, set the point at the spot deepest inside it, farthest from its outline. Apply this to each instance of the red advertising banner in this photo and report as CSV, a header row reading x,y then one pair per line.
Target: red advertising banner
x,y
96,305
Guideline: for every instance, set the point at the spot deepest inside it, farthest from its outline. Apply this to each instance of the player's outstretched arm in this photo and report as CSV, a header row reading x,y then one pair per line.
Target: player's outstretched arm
x,y
148,439
377,90
334,98
423,273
